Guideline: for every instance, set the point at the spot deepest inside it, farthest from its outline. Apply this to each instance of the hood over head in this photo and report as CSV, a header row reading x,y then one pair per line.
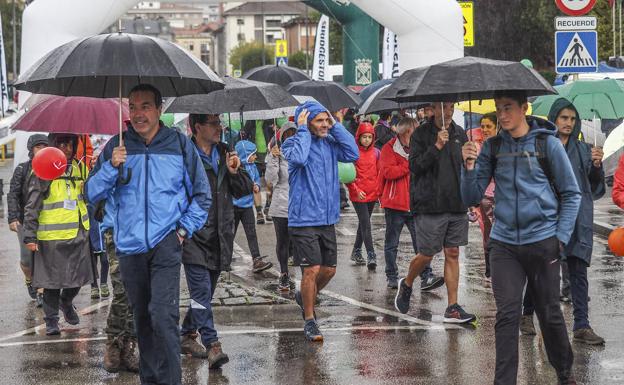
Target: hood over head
x,y
245,149
313,107
556,108
285,127
364,128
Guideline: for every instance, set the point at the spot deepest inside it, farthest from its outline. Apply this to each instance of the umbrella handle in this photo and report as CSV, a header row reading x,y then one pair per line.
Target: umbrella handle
x,y
121,179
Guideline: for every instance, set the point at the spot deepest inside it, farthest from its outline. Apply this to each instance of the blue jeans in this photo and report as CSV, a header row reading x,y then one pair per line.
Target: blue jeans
x,y
152,282
201,283
395,220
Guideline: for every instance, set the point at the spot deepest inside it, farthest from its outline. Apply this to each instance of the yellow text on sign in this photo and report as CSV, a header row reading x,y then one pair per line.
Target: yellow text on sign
x,y
468,13
281,48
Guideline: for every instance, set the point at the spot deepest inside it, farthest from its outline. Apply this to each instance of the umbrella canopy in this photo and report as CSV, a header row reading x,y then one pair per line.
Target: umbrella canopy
x,y
466,78
592,98
238,94
483,106
272,114
72,115
613,149
281,75
108,65
371,88
375,103
334,96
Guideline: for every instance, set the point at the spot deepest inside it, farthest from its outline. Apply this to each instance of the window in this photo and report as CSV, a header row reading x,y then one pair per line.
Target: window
x,y
240,36
191,47
273,23
240,21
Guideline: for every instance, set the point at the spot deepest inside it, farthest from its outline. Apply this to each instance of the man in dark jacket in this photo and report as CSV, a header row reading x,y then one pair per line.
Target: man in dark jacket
x,y
383,130
587,166
209,251
441,220
532,222
16,200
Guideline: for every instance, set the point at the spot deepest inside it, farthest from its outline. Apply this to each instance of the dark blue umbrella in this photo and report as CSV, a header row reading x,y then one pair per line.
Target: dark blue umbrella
x,y
371,88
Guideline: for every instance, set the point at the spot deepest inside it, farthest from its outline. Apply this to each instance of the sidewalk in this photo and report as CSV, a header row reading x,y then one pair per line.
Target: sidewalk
x,y
607,216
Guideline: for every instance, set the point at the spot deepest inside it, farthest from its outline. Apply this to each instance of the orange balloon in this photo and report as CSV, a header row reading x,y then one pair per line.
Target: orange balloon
x,y
616,241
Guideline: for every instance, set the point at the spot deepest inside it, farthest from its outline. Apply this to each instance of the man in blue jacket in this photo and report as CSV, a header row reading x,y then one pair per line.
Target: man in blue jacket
x,y
166,198
313,154
537,201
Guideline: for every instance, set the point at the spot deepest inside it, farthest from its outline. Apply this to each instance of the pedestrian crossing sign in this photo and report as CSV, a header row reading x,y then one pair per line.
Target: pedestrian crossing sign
x,y
576,51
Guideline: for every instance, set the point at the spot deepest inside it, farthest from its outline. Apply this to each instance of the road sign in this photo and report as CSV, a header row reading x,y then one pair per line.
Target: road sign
x,y
468,13
567,23
281,48
282,61
575,7
237,73
576,51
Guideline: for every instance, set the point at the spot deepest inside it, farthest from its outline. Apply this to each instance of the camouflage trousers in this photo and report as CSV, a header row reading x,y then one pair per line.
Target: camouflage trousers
x,y
120,322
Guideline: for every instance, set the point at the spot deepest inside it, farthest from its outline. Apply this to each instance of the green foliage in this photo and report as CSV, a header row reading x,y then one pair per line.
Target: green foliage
x,y
6,11
298,60
249,55
602,11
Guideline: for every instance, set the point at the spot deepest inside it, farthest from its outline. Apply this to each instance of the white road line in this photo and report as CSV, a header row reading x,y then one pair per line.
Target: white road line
x,y
431,325
35,329
354,215
335,330
345,231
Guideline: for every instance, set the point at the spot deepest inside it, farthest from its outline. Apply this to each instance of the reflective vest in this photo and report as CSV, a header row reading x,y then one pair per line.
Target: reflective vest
x,y
64,209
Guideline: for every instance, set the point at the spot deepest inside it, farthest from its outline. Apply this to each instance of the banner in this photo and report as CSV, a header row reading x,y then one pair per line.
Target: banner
x,y
390,55
4,100
320,68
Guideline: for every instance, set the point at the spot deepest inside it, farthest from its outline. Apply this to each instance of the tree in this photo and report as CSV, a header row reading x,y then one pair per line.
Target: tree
x,y
298,60
249,55
6,10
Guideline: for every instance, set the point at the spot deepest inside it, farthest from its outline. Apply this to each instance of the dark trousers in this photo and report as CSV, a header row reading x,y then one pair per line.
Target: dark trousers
x,y
364,210
395,220
246,216
343,196
579,288
104,266
52,298
513,266
152,282
201,283
283,246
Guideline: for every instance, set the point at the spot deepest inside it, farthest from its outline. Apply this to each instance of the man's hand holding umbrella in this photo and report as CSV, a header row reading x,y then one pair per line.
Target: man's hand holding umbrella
x,y
443,138
597,155
119,156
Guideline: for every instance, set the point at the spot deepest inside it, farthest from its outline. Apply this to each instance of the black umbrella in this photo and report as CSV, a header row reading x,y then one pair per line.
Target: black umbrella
x,y
331,95
376,103
282,75
466,78
370,89
109,65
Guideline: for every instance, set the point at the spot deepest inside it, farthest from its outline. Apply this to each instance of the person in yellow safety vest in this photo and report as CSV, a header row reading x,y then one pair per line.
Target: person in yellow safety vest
x,y
56,225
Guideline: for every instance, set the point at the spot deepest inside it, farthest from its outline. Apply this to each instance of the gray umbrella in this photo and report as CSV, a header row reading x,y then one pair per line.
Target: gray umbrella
x,y
376,103
282,75
333,96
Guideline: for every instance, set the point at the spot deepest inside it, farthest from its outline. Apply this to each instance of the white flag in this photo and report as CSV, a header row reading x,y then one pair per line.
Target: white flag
x,y
4,100
390,55
320,68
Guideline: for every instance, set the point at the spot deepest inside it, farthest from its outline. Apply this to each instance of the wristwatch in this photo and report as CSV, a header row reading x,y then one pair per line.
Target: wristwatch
x,y
181,231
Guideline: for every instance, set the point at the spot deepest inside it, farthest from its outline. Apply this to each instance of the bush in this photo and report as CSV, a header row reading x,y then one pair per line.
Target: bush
x,y
298,60
249,55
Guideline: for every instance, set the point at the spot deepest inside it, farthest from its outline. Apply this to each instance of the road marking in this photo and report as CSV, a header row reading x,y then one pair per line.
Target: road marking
x,y
431,325
354,215
326,331
36,329
345,231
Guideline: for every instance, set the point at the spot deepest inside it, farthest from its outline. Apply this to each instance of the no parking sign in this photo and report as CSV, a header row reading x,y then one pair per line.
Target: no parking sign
x,y
575,7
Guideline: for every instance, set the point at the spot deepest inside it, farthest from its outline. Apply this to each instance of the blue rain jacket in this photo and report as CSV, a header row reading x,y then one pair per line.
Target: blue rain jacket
x,y
245,149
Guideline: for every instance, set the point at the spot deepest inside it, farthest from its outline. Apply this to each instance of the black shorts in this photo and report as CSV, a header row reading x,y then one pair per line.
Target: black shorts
x,y
315,245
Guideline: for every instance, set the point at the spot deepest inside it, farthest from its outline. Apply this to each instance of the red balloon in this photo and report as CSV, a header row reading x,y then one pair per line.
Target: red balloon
x,y
49,163
616,241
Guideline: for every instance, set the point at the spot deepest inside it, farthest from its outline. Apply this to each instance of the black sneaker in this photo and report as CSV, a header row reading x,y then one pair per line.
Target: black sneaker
x,y
431,282
393,283
52,327
39,300
455,314
32,292
403,296
312,332
371,262
69,313
284,283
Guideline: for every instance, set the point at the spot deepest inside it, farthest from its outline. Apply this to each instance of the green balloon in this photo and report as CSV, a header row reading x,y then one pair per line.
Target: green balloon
x,y
167,119
346,172
527,63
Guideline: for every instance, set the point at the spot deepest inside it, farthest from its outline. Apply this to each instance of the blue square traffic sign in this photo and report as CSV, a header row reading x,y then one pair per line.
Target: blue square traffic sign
x,y
576,51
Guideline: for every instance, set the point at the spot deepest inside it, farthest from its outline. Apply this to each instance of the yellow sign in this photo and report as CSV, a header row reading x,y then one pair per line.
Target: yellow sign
x,y
468,13
281,48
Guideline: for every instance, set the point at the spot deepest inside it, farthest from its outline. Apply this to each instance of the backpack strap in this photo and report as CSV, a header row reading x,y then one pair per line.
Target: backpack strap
x,y
183,151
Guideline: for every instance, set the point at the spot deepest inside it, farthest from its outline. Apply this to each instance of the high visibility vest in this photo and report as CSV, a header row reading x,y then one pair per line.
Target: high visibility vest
x,y
64,208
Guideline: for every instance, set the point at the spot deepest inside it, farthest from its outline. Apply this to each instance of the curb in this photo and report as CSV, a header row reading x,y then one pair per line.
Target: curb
x,y
603,229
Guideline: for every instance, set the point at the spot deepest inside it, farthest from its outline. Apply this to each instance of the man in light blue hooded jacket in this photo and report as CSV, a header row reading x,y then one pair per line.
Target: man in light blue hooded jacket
x,y
534,218
313,154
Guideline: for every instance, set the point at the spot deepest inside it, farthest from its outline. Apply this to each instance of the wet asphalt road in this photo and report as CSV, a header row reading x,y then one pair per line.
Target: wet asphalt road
x,y
366,342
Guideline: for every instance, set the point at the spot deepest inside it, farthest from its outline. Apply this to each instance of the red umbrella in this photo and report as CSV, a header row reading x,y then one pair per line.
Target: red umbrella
x,y
72,115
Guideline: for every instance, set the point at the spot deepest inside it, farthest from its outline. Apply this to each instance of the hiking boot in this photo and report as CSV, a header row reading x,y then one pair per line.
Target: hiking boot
x,y
260,219
190,346
216,357
112,355
95,293
455,314
69,314
527,328
32,292
39,300
403,296
587,336
259,265
284,283
371,262
312,332
267,206
52,326
431,282
104,290
393,283
129,355
356,256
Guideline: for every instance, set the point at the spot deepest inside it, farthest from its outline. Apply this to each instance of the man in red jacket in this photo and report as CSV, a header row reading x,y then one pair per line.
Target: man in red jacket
x,y
394,184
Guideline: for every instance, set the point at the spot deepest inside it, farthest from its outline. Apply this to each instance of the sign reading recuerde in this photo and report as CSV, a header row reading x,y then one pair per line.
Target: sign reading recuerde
x,y
575,23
